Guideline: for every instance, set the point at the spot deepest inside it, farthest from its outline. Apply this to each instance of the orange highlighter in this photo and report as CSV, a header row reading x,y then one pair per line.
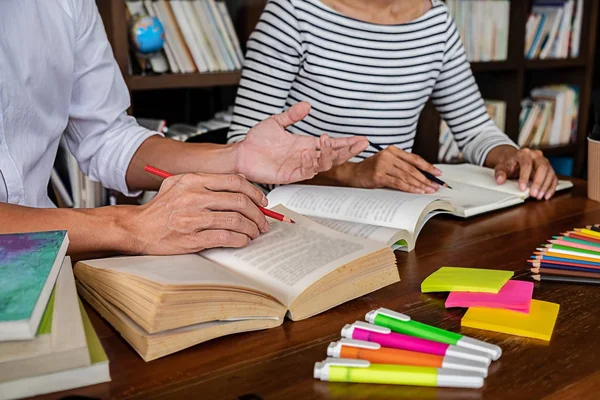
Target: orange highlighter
x,y
373,352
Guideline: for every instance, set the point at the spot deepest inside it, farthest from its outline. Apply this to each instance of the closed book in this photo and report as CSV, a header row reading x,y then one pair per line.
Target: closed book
x,y
29,266
60,341
180,12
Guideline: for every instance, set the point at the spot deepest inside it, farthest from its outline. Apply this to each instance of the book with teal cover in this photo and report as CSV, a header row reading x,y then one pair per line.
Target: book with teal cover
x,y
29,265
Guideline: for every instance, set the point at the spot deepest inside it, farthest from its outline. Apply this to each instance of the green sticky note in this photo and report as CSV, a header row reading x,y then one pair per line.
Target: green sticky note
x,y
454,279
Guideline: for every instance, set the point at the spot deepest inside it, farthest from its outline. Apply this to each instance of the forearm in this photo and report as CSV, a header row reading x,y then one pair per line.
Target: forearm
x,y
340,175
499,154
178,157
98,231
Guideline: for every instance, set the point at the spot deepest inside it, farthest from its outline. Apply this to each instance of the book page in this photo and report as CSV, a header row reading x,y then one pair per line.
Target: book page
x,y
382,207
188,270
484,178
366,231
291,257
470,200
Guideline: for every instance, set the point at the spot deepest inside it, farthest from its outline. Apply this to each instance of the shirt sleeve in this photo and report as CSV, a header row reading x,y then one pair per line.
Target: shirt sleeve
x,y
101,136
271,65
457,98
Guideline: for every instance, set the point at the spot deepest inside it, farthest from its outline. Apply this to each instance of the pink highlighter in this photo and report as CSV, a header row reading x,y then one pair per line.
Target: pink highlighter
x,y
386,338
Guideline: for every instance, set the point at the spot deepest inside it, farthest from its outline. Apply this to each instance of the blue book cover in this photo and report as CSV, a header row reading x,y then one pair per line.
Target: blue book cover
x,y
29,266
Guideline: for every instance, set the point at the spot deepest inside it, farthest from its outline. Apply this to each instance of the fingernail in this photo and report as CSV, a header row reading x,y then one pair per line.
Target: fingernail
x,y
548,195
522,187
438,172
498,179
435,186
540,196
534,192
423,192
431,190
266,227
264,201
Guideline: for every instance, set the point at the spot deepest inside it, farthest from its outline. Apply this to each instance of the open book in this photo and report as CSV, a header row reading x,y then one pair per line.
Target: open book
x,y
394,217
164,304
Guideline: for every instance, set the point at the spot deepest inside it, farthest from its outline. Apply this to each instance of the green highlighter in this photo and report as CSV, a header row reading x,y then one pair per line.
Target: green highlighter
x,y
402,323
362,371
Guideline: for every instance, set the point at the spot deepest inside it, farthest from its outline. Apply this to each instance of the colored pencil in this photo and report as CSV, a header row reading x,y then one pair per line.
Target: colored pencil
x,y
269,213
546,253
575,235
575,245
558,272
595,228
566,279
564,267
564,261
426,174
572,251
587,232
568,239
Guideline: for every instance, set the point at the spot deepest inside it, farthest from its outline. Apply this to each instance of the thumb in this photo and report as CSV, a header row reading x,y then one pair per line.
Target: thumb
x,y
295,113
501,173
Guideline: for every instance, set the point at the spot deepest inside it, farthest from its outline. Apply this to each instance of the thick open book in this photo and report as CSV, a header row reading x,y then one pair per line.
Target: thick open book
x,y
164,304
394,217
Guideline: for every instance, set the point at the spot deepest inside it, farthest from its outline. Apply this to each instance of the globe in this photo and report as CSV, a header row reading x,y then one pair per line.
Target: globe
x,y
147,34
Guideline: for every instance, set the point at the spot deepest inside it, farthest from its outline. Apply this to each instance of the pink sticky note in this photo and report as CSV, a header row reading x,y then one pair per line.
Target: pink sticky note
x,y
514,295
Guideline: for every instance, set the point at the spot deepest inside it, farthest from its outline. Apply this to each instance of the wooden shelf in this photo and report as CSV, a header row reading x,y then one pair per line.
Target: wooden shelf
x,y
177,81
562,150
555,64
493,66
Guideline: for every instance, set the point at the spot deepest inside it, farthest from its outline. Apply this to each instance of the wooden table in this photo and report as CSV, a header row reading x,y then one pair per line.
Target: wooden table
x,y
278,363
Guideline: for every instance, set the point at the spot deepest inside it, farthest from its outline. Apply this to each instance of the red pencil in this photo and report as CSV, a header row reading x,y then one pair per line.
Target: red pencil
x,y
269,213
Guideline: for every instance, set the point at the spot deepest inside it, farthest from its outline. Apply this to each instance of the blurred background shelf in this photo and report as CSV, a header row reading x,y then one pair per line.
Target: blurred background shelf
x,y
178,81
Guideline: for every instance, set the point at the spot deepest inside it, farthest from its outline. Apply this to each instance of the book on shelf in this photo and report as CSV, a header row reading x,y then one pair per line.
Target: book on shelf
x,y
64,352
448,150
396,218
553,29
483,26
549,117
165,304
199,35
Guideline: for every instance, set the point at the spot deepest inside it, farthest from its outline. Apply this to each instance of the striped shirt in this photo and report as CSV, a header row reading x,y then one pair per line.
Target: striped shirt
x,y
362,78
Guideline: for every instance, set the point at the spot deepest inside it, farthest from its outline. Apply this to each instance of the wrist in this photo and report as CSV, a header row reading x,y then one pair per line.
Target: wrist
x,y
121,229
500,154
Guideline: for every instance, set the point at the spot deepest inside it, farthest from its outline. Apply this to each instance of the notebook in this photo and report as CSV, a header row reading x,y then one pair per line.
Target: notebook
x,y
29,265
95,372
60,342
298,269
396,218
538,324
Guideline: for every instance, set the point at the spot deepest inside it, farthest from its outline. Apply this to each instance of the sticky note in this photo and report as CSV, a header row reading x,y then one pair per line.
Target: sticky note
x,y
538,324
514,295
454,279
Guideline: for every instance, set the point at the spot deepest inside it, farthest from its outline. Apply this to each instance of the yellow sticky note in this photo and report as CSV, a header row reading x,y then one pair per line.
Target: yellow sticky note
x,y
538,324
454,279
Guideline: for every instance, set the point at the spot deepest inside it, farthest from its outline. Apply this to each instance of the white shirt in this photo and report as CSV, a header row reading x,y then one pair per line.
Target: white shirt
x,y
58,74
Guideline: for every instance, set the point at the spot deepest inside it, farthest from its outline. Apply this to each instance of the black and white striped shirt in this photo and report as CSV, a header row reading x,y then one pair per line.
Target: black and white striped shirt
x,y
362,78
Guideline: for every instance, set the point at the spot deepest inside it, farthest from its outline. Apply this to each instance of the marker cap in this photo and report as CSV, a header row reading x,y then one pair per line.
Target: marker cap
x,y
335,348
465,365
468,354
458,379
321,369
371,315
494,351
348,329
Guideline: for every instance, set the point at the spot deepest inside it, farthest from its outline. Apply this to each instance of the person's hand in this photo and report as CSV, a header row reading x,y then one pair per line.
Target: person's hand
x,y
270,154
393,168
193,212
526,165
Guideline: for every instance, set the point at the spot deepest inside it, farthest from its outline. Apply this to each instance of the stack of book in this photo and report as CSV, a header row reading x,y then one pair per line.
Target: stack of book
x,y
448,151
483,26
572,257
553,29
47,342
199,35
549,117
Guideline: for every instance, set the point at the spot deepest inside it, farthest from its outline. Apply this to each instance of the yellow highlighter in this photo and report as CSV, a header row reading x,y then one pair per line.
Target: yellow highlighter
x,y
362,371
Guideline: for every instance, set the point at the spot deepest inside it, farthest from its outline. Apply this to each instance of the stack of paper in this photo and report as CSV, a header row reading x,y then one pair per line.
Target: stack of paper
x,y
495,303
47,342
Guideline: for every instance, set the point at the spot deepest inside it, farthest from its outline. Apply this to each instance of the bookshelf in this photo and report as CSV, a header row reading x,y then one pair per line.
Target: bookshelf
x,y
509,81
